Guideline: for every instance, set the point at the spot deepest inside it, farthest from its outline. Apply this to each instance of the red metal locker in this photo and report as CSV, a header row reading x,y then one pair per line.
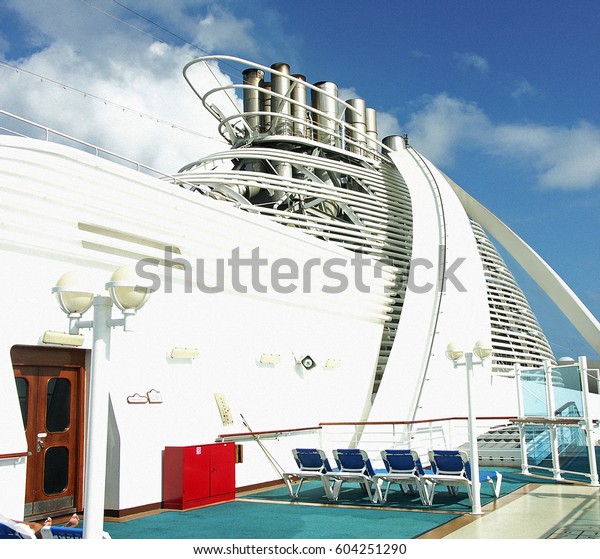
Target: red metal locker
x,y
198,475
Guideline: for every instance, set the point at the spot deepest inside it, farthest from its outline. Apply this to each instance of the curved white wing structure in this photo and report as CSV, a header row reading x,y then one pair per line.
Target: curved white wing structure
x,y
539,270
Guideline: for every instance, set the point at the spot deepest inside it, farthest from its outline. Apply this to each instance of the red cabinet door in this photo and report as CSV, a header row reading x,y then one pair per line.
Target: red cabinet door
x,y
222,480
196,472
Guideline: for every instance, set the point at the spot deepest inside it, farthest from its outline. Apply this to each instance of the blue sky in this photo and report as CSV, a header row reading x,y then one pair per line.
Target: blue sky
x,y
503,96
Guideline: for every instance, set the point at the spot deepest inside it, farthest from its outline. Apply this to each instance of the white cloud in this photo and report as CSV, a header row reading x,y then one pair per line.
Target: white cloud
x,y
90,52
345,93
419,54
444,125
522,88
472,60
387,125
563,157
219,30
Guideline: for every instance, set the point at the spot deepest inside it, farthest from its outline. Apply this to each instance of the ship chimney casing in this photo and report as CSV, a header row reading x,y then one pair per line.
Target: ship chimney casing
x,y
326,102
357,119
265,106
299,110
371,122
395,143
253,77
280,85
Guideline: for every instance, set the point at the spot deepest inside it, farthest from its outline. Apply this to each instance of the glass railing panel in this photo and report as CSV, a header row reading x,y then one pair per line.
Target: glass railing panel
x,y
539,451
573,450
568,397
533,384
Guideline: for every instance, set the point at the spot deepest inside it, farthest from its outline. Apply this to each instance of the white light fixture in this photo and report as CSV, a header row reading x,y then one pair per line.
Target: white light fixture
x,y
270,359
483,349
126,291
73,295
75,299
62,338
453,352
184,353
333,363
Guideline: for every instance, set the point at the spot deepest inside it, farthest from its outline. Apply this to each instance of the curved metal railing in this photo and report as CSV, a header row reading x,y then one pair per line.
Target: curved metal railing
x,y
317,127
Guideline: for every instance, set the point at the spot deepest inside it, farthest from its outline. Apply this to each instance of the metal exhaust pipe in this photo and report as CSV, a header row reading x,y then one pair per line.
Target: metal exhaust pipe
x,y
326,102
298,106
371,121
252,77
395,143
280,108
356,118
280,85
265,107
252,106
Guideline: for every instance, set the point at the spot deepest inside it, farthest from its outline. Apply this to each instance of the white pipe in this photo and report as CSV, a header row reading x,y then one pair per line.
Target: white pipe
x,y
97,424
476,484
583,371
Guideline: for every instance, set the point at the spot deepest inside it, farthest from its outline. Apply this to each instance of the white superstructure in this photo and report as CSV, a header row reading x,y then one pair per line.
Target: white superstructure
x,y
310,237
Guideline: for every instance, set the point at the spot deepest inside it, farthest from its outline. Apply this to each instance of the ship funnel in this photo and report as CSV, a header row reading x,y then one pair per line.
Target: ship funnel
x,y
396,143
252,105
325,101
265,105
280,100
356,118
299,111
282,107
371,122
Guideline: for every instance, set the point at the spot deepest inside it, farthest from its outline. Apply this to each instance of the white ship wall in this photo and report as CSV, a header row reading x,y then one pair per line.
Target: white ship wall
x,y
419,381
48,192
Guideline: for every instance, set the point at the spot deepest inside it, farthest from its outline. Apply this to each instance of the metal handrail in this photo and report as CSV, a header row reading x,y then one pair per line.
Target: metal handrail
x,y
97,151
270,434
13,455
225,120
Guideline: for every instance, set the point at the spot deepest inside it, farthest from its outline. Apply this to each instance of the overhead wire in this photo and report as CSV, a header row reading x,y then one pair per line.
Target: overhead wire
x,y
21,70
193,45
154,37
184,40
161,121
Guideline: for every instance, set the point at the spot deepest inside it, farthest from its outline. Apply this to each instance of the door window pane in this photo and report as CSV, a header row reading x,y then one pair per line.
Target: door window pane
x,y
23,392
58,405
56,470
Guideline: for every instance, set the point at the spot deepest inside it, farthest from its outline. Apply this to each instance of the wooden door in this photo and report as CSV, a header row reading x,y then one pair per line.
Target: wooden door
x,y
51,406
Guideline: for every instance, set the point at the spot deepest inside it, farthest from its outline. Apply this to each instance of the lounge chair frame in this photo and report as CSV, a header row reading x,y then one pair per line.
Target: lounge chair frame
x,y
453,469
355,466
312,465
405,469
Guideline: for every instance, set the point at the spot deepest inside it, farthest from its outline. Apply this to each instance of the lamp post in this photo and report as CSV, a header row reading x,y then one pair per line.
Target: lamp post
x,y
482,350
74,300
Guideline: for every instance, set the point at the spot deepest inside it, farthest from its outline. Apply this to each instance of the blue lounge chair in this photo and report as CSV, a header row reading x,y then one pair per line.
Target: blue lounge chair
x,y
312,465
11,530
354,466
61,533
65,533
403,467
453,469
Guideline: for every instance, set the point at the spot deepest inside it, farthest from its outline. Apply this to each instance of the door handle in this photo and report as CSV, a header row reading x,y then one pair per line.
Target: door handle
x,y
40,445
